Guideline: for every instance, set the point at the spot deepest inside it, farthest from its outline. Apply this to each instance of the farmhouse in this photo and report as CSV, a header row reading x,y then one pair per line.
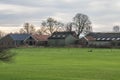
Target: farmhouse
x,y
62,39
102,39
16,40
42,40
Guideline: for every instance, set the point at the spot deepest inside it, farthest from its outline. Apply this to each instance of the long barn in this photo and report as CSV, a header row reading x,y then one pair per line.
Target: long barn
x,y
102,39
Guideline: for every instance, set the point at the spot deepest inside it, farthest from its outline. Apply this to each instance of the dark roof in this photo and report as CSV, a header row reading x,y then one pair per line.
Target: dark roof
x,y
61,35
19,36
105,36
41,37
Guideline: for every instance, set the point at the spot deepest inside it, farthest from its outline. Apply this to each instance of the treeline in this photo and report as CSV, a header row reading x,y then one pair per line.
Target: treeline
x,y
80,23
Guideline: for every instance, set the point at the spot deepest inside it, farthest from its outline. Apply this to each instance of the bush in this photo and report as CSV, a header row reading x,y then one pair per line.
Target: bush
x,y
5,54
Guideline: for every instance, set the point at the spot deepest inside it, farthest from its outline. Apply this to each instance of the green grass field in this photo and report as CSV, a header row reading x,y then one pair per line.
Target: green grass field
x,y
62,64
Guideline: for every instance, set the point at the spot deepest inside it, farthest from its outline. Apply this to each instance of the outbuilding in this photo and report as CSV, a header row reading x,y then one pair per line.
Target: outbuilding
x,y
16,40
102,39
62,39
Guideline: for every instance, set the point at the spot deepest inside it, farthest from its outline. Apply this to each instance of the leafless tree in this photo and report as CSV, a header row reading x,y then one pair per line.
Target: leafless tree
x,y
2,34
52,25
28,28
42,30
22,31
69,26
81,22
88,30
32,29
116,28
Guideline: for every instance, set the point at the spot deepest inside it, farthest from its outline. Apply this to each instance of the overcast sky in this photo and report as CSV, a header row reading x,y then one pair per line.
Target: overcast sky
x,y
104,14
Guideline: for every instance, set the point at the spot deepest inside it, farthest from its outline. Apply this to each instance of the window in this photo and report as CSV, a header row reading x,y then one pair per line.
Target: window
x,y
63,35
108,38
98,38
113,38
54,35
118,38
30,38
58,36
103,38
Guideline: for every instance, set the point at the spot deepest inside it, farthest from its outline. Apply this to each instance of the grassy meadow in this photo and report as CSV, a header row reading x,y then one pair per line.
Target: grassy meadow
x,y
62,64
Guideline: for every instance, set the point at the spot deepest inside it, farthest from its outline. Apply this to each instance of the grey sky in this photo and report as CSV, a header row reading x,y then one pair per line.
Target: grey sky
x,y
104,14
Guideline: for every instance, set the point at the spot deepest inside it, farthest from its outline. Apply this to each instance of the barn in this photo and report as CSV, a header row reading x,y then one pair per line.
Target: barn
x,y
62,39
102,39
16,40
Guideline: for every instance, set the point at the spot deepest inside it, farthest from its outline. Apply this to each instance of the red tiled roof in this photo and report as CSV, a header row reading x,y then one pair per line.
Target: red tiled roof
x,y
41,37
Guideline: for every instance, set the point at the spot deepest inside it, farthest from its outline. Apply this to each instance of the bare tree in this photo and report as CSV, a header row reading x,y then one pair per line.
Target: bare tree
x,y
32,29
22,31
28,28
116,28
69,26
88,30
52,25
42,30
1,34
81,22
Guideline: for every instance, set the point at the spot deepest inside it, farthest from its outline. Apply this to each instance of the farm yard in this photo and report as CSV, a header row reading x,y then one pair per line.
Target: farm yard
x,y
62,64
